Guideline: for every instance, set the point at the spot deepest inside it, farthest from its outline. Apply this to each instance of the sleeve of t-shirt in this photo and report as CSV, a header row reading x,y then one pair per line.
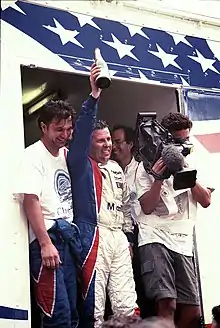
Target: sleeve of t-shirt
x,y
143,181
28,178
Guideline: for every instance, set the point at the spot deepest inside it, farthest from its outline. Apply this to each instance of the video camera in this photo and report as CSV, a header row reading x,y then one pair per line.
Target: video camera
x,y
153,141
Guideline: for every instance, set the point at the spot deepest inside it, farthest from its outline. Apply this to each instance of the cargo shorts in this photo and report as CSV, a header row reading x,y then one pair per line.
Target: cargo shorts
x,y
167,274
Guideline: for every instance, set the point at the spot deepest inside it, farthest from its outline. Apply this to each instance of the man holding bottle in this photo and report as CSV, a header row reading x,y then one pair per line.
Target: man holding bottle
x,y
102,212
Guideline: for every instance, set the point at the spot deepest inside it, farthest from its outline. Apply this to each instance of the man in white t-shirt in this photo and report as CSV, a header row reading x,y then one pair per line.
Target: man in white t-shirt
x,y
166,235
122,152
44,190
123,138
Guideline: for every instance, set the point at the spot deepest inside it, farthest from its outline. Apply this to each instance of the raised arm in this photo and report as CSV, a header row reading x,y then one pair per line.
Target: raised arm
x,y
79,146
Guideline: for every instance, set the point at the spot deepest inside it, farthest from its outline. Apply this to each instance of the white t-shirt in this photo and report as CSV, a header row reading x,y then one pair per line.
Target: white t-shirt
x,y
172,221
42,174
130,174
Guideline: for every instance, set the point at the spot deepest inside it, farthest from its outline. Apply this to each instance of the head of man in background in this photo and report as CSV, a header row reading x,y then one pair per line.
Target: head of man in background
x,y
136,322
123,144
216,317
178,125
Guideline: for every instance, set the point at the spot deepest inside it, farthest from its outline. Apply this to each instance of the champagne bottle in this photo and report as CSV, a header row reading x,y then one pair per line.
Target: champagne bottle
x,y
103,81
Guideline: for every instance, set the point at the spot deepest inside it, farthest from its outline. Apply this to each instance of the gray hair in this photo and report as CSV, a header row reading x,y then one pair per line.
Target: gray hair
x,y
154,323
136,322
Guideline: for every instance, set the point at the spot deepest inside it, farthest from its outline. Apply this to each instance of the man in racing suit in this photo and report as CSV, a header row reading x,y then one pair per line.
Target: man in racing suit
x,y
102,212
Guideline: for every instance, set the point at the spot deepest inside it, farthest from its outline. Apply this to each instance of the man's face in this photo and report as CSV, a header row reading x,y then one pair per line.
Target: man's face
x,y
181,134
57,132
101,145
214,324
120,149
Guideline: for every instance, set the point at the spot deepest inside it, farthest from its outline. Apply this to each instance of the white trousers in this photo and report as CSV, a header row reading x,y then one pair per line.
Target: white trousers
x,y
114,271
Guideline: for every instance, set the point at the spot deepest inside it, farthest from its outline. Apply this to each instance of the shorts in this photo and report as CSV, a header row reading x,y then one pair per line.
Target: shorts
x,y
167,274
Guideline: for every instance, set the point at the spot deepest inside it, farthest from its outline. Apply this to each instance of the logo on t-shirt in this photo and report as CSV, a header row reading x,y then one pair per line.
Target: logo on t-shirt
x,y
63,190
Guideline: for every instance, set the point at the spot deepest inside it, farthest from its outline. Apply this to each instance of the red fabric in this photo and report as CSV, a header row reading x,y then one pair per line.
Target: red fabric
x,y
211,142
45,290
88,267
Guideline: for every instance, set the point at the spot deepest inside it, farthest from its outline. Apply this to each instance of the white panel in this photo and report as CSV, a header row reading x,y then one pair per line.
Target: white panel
x,y
202,9
14,275
208,243
208,223
14,324
16,48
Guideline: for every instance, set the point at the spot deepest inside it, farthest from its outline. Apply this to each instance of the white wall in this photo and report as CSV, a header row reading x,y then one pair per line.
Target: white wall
x,y
14,279
14,274
208,221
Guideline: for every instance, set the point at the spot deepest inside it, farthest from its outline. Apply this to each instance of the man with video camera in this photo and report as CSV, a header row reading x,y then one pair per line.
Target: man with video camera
x,y
166,234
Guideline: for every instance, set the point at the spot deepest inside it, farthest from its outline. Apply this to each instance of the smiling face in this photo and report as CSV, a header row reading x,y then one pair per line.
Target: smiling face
x,y
121,148
57,133
101,145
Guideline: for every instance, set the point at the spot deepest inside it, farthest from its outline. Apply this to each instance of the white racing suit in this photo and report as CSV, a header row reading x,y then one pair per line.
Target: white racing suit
x,y
102,213
113,265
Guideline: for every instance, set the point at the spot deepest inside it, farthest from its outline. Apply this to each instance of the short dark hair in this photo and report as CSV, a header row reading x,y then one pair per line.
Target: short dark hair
x,y
99,125
55,110
176,122
216,314
128,131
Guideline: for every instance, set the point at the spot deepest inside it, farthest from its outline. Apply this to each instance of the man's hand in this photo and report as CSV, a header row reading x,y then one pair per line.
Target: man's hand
x,y
50,256
94,73
159,167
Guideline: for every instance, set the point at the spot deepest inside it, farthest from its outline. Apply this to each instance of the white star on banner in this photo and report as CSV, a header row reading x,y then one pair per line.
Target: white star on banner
x,y
121,48
64,34
134,29
84,19
184,82
12,4
177,38
205,63
167,59
143,76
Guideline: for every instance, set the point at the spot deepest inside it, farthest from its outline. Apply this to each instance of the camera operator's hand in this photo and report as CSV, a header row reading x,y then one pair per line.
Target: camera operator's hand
x,y
94,73
158,169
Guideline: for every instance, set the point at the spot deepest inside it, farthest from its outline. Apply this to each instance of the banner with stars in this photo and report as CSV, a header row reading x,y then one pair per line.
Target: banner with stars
x,y
132,52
